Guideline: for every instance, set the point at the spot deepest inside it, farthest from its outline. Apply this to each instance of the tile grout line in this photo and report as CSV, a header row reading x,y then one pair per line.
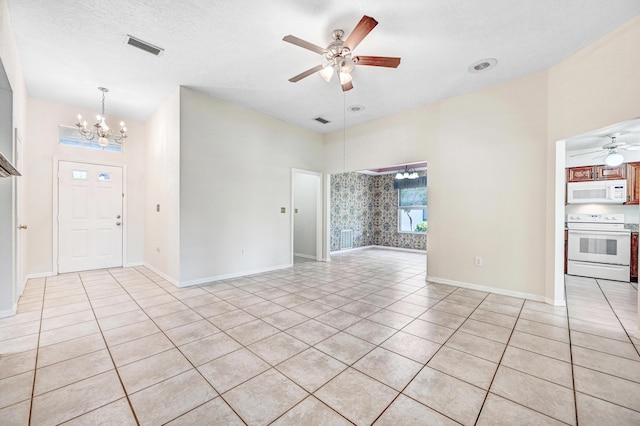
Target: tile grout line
x,y
108,351
432,356
617,317
179,350
35,366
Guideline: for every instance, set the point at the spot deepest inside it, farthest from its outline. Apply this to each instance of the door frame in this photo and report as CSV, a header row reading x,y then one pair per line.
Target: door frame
x,y
18,216
54,215
319,211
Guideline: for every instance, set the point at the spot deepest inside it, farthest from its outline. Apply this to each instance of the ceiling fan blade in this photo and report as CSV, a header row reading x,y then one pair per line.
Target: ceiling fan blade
x,y
361,30
587,153
631,147
347,86
307,73
304,44
377,61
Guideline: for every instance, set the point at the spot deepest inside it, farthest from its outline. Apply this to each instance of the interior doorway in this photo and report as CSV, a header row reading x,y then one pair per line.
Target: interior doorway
x,y
306,215
382,207
90,216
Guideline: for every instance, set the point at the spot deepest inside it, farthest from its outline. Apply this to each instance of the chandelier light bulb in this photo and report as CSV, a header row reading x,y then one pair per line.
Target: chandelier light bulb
x,y
100,128
399,175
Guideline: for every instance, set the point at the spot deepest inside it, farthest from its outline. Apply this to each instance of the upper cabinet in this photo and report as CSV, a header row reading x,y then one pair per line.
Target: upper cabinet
x,y
587,173
607,173
633,183
581,174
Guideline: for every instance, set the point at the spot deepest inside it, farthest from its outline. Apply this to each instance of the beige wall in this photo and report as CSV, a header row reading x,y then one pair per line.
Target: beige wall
x,y
42,148
596,87
162,187
235,175
492,163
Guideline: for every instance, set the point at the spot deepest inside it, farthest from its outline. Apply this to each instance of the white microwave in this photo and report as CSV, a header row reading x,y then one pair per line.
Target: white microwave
x,y
597,191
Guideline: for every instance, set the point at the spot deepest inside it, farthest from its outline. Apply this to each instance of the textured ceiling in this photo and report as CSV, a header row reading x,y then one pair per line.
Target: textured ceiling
x,y
233,50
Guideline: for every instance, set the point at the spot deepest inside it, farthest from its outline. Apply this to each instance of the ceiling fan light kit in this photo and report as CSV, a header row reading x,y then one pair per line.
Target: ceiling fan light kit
x,y
338,54
611,149
613,159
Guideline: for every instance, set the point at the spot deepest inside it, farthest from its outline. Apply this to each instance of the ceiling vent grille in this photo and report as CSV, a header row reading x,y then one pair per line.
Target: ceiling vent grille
x,y
321,120
143,45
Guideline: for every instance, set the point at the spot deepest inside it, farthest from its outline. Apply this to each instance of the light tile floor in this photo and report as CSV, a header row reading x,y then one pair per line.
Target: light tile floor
x,y
361,340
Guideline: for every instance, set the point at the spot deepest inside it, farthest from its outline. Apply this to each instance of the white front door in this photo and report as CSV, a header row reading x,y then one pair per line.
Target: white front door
x,y
89,216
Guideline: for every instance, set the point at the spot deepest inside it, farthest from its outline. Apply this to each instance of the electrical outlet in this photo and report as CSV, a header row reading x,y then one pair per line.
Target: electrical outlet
x,y
478,261
241,251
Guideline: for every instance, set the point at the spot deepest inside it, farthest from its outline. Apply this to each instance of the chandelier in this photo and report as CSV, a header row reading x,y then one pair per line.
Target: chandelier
x,y
407,174
101,129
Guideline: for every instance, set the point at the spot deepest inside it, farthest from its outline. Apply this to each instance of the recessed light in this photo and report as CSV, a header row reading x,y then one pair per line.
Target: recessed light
x,y
355,108
482,65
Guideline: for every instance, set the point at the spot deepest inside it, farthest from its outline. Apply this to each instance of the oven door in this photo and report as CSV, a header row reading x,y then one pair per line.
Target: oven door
x,y
610,247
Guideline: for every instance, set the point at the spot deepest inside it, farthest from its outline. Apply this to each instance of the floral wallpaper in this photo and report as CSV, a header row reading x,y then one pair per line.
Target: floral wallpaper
x,y
369,206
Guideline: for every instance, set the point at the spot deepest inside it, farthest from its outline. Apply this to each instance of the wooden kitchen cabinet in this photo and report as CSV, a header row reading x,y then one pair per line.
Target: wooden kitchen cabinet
x,y
581,174
634,256
633,183
601,172
607,173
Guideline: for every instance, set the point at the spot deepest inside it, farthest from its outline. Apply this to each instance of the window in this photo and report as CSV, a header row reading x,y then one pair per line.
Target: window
x,y
412,210
71,137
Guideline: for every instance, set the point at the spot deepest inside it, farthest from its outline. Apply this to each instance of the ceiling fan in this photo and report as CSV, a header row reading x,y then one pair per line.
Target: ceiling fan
x,y
610,150
338,54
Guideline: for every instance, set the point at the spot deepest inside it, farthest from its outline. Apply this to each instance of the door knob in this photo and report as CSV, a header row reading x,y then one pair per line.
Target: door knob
x,y
22,227
118,223
118,217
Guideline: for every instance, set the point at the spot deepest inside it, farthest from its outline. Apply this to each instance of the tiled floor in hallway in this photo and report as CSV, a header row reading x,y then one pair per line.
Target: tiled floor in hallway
x,y
362,339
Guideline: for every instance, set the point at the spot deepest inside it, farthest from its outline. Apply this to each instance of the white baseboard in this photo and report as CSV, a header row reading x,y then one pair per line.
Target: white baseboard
x,y
379,248
39,275
162,274
9,312
205,280
555,302
488,289
132,264
305,256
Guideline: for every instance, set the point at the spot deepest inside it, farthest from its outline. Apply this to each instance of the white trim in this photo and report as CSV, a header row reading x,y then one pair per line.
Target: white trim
x,y
305,256
9,312
380,248
319,211
495,290
555,302
557,292
40,275
54,216
162,274
206,280
133,264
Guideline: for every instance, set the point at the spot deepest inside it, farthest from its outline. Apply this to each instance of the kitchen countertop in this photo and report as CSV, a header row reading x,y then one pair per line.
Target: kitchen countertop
x,y
633,227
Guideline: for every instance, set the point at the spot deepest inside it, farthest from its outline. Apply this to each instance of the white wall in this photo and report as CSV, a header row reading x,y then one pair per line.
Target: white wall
x,y
235,175
162,187
9,288
304,222
42,146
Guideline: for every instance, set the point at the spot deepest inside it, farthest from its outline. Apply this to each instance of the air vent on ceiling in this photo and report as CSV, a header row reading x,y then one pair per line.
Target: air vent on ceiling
x,y
136,42
321,120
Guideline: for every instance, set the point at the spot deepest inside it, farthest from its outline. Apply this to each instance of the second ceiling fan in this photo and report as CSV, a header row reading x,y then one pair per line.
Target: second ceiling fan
x,y
339,54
